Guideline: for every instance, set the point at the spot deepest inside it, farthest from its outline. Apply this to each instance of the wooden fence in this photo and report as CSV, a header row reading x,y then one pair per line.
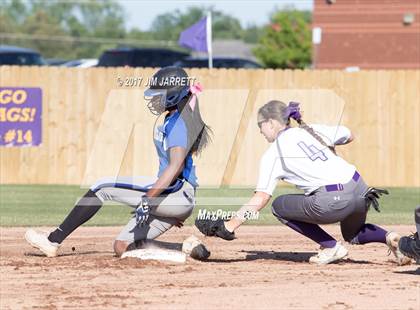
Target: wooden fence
x,y
93,127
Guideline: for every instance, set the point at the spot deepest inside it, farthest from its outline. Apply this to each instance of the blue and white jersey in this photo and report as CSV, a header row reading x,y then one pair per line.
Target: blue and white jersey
x,y
174,133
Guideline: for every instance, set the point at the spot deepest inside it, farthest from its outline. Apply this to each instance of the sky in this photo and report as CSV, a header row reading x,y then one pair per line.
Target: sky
x,y
140,13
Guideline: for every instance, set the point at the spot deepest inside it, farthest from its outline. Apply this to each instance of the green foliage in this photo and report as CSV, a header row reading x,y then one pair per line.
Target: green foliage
x,y
168,26
48,22
286,42
55,18
44,24
252,34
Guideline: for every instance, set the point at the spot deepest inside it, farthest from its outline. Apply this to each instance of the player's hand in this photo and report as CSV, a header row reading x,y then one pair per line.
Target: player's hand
x,y
372,195
216,228
142,212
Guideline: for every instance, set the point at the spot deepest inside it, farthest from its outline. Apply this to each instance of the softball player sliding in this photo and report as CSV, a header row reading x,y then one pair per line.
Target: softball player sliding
x,y
333,190
159,203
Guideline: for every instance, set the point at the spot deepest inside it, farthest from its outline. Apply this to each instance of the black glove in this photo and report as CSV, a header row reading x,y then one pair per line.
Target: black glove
x,y
214,228
372,195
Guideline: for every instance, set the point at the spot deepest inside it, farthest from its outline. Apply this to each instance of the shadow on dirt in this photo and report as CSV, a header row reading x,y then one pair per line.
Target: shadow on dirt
x,y
30,254
412,272
268,255
297,257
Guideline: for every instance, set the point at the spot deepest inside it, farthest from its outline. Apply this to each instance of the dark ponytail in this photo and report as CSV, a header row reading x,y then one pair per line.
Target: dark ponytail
x,y
312,132
199,134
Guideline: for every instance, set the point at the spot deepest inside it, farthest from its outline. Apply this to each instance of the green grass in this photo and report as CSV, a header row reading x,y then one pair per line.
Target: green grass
x,y
39,205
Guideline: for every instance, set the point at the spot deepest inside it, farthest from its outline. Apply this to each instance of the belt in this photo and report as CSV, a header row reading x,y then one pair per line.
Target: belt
x,y
339,186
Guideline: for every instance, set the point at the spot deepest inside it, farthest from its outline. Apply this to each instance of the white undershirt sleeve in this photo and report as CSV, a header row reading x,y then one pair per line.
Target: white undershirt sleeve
x,y
270,172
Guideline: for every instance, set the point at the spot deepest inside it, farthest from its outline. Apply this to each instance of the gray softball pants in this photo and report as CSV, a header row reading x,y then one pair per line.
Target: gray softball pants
x,y
325,206
173,208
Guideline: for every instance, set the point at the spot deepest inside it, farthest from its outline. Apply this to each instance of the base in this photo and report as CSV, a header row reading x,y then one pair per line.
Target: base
x,y
157,254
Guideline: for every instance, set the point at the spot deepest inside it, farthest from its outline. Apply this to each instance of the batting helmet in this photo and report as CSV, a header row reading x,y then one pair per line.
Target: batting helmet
x,y
168,87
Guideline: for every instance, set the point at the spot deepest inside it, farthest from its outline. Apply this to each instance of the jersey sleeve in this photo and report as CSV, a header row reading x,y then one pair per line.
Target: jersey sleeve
x,y
270,173
332,135
176,133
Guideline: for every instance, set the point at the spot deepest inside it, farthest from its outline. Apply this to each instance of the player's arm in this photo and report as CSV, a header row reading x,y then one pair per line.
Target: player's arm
x,y
226,230
270,169
334,135
257,202
173,170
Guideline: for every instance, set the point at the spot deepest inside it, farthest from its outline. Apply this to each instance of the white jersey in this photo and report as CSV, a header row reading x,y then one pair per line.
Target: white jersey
x,y
298,158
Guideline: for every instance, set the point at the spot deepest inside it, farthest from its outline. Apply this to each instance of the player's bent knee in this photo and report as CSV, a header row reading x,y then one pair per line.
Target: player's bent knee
x,y
276,213
120,247
276,207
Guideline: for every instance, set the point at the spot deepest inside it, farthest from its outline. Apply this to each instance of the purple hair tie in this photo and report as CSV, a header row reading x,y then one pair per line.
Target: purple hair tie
x,y
293,111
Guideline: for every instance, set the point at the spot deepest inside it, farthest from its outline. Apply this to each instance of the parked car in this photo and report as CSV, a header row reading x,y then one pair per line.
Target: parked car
x,y
218,62
19,56
140,57
55,61
81,63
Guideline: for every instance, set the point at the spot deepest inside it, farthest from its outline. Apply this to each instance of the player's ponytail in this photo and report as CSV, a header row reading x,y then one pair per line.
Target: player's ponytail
x,y
294,112
199,134
309,129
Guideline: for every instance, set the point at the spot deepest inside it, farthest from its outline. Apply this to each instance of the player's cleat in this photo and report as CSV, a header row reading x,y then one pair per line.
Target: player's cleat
x,y
41,242
410,246
392,239
329,255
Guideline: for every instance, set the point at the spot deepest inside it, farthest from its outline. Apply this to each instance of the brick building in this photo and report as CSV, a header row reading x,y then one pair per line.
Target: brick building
x,y
369,34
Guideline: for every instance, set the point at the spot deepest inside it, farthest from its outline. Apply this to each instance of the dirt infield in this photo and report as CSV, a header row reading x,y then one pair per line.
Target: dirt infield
x,y
265,268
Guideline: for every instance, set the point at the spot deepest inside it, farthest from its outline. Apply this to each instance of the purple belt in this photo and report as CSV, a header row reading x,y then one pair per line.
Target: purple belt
x,y
340,187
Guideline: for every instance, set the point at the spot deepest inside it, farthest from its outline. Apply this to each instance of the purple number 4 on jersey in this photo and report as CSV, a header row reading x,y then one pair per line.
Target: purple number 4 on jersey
x,y
312,151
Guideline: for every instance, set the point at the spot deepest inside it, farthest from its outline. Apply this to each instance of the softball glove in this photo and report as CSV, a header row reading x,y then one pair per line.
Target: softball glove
x,y
214,228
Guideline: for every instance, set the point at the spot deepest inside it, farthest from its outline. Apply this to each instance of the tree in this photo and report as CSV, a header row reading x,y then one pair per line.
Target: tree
x,y
40,23
286,42
100,19
12,12
13,9
54,18
252,34
168,26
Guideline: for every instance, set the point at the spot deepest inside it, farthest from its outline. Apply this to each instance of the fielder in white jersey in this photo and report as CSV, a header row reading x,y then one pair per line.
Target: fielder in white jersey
x,y
297,146
333,190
